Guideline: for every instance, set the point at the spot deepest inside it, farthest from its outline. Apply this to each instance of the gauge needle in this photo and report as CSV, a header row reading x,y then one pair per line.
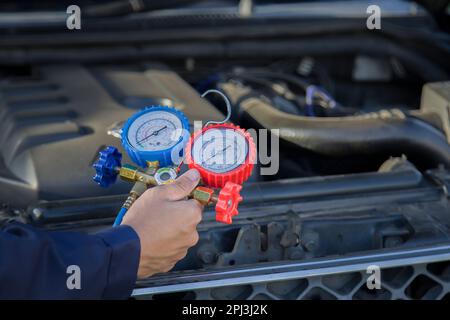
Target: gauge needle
x,y
215,154
154,133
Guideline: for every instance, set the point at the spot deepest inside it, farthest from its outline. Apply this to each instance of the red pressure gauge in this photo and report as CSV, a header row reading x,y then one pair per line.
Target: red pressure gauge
x,y
221,153
224,154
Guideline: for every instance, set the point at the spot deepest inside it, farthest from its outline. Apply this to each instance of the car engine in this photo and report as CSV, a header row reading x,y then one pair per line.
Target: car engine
x,y
363,132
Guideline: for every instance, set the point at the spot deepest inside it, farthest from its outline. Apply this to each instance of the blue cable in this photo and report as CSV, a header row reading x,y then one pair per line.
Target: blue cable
x,y
120,216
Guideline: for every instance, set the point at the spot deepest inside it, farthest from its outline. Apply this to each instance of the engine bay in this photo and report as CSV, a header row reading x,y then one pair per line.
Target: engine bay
x,y
51,133
363,139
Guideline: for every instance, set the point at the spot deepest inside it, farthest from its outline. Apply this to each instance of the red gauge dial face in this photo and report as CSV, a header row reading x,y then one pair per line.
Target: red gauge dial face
x,y
221,153
220,150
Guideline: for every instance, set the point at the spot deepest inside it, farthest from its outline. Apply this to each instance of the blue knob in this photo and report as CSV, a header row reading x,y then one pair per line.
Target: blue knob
x,y
105,167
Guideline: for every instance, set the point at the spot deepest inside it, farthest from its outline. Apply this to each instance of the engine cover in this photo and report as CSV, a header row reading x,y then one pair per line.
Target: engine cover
x,y
53,124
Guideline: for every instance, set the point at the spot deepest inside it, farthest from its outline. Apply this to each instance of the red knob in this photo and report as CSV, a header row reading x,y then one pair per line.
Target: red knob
x,y
218,180
227,202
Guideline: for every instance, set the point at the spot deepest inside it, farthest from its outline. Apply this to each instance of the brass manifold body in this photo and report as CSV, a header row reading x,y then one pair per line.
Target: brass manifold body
x,y
152,176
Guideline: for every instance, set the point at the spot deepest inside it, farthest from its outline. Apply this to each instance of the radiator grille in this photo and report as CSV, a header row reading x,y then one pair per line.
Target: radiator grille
x,y
421,281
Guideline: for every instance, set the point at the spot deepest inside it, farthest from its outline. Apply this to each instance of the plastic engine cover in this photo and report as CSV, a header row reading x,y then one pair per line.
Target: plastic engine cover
x,y
53,124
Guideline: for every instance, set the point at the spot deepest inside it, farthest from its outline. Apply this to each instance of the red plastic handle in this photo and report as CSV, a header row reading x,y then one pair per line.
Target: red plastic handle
x,y
228,201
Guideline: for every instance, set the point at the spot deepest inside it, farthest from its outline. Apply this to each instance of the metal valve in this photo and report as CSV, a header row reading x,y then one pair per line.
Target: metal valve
x,y
226,201
108,167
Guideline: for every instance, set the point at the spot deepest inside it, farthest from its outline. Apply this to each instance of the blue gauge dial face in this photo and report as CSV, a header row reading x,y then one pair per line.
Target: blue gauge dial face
x,y
220,150
155,131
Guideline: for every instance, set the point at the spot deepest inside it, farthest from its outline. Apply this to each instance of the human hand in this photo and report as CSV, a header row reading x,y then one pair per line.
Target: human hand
x,y
166,223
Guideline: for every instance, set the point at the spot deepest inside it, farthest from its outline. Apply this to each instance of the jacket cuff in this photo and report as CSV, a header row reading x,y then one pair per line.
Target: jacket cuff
x,y
124,261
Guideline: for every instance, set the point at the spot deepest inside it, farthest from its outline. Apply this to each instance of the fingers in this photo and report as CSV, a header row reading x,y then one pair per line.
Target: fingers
x,y
195,211
187,213
182,186
192,216
180,256
194,239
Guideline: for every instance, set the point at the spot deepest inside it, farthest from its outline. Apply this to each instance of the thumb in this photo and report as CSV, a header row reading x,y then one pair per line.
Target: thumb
x,y
182,186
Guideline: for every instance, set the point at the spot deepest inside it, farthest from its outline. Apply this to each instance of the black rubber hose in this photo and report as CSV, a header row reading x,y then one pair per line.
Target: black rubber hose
x,y
105,208
284,48
386,132
335,45
124,7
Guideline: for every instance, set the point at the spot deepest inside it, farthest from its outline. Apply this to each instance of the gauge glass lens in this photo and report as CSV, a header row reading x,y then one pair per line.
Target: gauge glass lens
x,y
155,131
220,150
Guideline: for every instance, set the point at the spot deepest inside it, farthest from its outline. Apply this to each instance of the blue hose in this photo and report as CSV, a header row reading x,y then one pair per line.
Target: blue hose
x,y
120,216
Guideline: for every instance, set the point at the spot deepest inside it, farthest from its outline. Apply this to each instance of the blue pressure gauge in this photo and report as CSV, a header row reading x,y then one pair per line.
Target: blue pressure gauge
x,y
156,133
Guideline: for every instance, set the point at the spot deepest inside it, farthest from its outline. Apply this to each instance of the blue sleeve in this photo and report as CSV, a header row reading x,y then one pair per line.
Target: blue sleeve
x,y
35,264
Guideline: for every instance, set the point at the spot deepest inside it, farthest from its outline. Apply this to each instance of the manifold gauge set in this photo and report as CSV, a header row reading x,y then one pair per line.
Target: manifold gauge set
x,y
158,140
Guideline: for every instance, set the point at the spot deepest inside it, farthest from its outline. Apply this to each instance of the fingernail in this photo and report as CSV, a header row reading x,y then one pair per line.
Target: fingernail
x,y
193,175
